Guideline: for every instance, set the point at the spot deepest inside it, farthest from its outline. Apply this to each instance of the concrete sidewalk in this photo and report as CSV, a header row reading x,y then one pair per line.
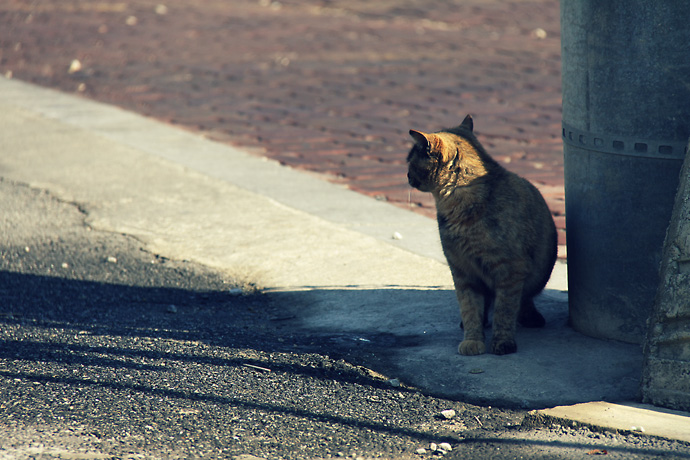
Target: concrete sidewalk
x,y
334,257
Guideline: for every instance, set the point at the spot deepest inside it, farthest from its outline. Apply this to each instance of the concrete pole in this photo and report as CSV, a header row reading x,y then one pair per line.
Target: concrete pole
x,y
626,120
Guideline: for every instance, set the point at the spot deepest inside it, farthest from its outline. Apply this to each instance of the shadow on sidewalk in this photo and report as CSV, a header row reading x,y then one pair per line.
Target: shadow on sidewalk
x,y
87,352
405,334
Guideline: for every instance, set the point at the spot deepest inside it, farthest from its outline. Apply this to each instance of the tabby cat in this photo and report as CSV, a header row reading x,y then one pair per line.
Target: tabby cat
x,y
496,231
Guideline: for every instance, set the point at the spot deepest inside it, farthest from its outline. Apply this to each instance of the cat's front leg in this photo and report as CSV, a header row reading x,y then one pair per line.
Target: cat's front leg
x,y
506,309
472,312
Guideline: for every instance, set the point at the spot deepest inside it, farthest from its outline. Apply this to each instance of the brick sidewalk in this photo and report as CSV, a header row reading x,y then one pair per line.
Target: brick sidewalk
x,y
313,84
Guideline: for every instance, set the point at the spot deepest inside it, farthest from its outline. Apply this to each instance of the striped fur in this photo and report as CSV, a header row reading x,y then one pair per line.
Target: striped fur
x,y
496,231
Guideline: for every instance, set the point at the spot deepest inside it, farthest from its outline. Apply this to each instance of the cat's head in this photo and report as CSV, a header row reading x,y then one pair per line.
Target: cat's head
x,y
432,156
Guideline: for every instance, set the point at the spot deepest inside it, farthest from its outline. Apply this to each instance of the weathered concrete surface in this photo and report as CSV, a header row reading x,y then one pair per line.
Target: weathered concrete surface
x,y
666,373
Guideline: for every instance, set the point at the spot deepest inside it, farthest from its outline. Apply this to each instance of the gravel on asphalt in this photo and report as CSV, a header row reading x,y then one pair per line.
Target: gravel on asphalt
x,y
110,351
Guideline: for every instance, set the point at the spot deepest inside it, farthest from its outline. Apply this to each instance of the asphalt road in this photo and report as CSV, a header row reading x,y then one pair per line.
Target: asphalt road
x,y
110,351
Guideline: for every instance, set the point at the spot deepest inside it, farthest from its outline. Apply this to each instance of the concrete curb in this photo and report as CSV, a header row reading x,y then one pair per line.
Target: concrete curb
x,y
627,418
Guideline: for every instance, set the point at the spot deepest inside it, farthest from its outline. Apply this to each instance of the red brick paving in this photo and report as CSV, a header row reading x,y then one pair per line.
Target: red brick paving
x,y
330,87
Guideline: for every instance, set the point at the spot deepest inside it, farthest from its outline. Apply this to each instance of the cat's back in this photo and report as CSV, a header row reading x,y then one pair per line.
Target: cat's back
x,y
526,227
510,220
519,201
485,212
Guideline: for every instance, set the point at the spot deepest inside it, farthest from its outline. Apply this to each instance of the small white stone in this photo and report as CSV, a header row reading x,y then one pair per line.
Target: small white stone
x,y
445,447
539,33
65,265
397,236
394,382
448,414
433,447
421,451
161,9
131,21
112,260
74,66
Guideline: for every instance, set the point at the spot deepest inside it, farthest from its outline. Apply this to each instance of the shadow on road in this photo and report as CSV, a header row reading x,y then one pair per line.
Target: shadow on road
x,y
181,363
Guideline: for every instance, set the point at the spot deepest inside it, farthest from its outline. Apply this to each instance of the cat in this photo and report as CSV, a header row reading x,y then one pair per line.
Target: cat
x,y
497,234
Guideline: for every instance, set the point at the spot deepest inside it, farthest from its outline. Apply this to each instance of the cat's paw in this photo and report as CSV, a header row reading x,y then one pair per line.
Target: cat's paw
x,y
471,347
503,347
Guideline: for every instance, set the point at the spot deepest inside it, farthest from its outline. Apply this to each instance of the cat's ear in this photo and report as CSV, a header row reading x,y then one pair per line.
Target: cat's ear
x,y
420,138
468,123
